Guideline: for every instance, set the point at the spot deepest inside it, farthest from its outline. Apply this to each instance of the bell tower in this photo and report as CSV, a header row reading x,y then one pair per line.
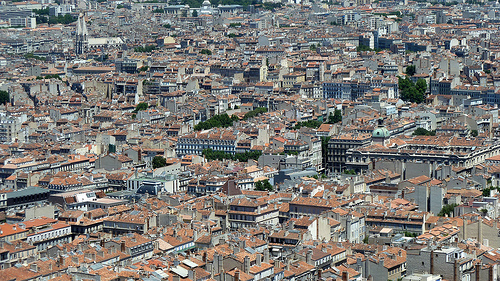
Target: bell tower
x,y
81,41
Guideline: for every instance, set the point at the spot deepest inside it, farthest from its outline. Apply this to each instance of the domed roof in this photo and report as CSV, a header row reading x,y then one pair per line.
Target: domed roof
x,y
381,132
206,3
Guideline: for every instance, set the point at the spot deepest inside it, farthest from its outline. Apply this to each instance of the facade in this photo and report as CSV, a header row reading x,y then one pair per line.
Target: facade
x,y
246,212
82,36
338,146
216,139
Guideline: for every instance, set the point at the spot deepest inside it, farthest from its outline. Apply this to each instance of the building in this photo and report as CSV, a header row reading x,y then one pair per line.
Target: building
x,y
246,212
338,146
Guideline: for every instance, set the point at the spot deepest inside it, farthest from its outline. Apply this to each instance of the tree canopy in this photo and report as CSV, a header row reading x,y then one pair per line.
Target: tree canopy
x,y
410,70
4,97
336,117
211,154
146,49
255,112
309,123
159,161
423,132
447,210
412,92
263,186
140,106
218,121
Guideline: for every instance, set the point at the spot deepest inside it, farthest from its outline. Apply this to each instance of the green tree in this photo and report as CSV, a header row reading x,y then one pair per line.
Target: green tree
x,y
421,86
120,6
184,14
259,186
423,132
217,121
206,52
159,161
255,112
167,26
410,70
146,49
363,48
309,123
263,186
4,97
141,106
143,68
336,117
349,172
474,133
195,13
447,210
409,91
268,186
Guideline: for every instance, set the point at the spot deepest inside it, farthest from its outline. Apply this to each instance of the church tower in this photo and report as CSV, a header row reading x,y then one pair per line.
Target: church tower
x,y
82,40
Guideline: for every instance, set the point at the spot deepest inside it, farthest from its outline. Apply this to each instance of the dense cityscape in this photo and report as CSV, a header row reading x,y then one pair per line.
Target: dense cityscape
x,y
241,140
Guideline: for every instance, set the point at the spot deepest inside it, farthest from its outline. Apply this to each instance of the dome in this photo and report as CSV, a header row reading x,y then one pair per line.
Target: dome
x,y
381,132
206,3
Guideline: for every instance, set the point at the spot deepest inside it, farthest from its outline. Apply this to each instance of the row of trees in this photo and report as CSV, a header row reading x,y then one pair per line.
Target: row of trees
x,y
218,121
146,49
211,154
424,132
308,124
197,3
255,112
224,121
66,19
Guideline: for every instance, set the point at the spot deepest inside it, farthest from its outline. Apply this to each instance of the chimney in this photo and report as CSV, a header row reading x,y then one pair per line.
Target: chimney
x,y
478,269
243,244
345,276
61,261
480,230
210,269
258,259
246,265
266,255
122,248
237,275
465,229
455,270
75,260
277,265
309,256
204,257
176,278
432,262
